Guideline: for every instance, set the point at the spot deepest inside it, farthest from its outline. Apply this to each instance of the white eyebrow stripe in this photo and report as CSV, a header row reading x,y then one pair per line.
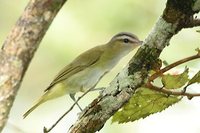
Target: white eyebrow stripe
x,y
128,37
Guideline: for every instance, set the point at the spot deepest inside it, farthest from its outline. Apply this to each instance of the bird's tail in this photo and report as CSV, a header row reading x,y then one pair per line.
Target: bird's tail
x,y
55,92
40,101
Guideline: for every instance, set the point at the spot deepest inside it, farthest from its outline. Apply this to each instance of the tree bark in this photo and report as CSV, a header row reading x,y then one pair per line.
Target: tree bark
x,y
19,48
177,15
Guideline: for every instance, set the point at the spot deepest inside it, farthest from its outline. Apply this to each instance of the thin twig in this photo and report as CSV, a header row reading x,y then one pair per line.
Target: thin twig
x,y
45,130
157,74
169,92
193,23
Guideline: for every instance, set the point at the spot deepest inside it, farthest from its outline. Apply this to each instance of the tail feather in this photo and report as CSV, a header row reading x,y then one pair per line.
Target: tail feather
x,y
40,101
57,91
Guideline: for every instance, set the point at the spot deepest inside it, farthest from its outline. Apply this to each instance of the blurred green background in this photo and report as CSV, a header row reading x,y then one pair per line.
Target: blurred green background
x,y
79,26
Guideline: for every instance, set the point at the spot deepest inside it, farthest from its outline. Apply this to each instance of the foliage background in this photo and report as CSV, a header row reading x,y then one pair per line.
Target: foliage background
x,y
78,27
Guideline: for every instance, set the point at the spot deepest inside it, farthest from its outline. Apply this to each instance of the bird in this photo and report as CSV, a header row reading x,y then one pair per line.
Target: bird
x,y
87,69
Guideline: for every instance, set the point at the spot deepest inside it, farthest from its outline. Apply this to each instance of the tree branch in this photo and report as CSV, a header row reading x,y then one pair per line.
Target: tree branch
x,y
122,88
19,47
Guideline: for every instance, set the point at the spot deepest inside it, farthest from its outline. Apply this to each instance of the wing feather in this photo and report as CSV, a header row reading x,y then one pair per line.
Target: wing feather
x,y
80,63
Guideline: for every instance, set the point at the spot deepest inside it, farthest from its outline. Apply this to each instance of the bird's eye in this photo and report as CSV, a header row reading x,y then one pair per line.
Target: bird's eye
x,y
126,40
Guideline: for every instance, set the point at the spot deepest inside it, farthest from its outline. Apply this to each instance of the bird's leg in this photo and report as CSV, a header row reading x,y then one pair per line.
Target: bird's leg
x,y
72,95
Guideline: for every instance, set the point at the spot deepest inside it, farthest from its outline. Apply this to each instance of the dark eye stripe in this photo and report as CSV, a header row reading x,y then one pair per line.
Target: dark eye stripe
x,y
126,40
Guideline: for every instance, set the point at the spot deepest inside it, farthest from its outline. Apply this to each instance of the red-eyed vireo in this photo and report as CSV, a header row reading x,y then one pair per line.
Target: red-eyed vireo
x,y
85,71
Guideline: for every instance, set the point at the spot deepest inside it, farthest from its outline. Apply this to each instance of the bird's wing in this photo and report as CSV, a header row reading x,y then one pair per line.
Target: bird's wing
x,y
80,63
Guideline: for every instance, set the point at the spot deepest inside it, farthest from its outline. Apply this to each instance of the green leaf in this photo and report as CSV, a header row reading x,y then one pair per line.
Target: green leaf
x,y
175,81
195,79
144,103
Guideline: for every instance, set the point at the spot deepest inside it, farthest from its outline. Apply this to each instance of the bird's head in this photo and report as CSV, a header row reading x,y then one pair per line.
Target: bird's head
x,y
124,42
125,39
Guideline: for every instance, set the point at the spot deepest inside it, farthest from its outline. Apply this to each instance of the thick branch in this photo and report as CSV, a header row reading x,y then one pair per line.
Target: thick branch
x,y
19,47
122,88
